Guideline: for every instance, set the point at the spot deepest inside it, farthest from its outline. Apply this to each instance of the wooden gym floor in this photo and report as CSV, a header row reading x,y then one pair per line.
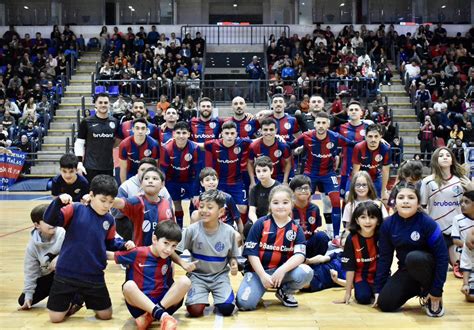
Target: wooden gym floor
x,y
315,311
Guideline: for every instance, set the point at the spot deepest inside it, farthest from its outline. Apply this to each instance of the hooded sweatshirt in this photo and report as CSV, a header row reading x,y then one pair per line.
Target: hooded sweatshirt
x,y
38,256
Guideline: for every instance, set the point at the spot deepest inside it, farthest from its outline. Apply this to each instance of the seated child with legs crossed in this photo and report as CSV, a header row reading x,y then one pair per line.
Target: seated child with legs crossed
x,y
275,249
40,259
213,247
361,252
147,210
209,180
467,266
90,231
150,291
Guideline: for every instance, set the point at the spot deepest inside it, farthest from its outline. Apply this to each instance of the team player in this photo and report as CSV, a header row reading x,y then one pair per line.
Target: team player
x,y
139,110
421,253
68,182
353,130
135,147
373,157
463,222
179,163
227,153
147,210
441,194
322,160
287,126
150,291
90,231
247,126
308,217
275,251
278,151
361,252
95,140
467,266
166,130
213,247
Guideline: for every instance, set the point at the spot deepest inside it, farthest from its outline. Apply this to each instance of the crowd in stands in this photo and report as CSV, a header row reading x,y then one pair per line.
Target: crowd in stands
x,y
30,76
159,64
438,73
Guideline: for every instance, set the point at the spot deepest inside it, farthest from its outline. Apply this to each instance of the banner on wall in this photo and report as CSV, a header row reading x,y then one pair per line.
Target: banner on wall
x,y
10,168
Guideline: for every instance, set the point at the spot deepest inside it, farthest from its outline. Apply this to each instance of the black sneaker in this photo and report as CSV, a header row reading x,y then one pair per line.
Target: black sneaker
x,y
287,299
426,304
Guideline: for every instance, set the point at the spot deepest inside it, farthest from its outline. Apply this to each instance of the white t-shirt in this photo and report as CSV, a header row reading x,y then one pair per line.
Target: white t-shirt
x,y
467,263
461,225
443,203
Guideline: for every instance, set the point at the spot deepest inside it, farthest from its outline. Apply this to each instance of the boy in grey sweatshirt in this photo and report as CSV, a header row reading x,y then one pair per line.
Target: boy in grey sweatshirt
x,y
40,259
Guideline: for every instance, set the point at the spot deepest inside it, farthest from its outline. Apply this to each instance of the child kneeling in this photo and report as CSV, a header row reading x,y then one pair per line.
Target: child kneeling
x,y
276,249
150,292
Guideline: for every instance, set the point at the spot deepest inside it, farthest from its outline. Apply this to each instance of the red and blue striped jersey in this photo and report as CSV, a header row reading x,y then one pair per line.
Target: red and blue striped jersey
x,y
152,274
308,218
227,160
272,244
179,165
278,153
320,153
286,127
353,133
166,136
126,130
371,161
145,215
132,153
202,131
245,128
360,256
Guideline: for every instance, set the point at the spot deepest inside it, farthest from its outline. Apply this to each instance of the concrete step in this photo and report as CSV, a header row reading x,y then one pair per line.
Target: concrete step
x,y
402,111
410,140
76,106
397,99
45,169
86,82
79,88
50,155
36,176
404,118
78,93
50,139
400,104
408,131
394,93
88,60
394,87
69,119
409,125
75,99
54,147
61,124
67,111
80,76
59,132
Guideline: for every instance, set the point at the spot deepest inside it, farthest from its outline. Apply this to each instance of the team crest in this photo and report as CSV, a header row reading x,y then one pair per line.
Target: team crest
x,y
277,153
415,236
287,125
329,145
212,125
290,235
311,220
164,269
183,192
362,132
219,246
106,225
248,128
147,131
146,226
112,125
77,191
147,152
457,189
188,157
378,158
237,150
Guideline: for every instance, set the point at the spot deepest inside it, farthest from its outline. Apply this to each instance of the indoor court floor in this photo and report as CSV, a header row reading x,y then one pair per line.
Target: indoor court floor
x,y
315,311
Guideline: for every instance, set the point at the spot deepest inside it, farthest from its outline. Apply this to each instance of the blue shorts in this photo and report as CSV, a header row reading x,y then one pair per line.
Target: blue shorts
x,y
325,183
137,312
237,191
180,191
345,185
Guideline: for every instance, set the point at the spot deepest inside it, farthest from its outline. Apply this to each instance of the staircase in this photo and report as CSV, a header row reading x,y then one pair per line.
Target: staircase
x,y
403,115
47,162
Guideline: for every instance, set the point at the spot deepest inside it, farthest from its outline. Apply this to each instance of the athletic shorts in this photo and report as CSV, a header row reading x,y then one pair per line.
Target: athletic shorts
x,y
137,312
179,191
325,183
95,295
218,285
237,191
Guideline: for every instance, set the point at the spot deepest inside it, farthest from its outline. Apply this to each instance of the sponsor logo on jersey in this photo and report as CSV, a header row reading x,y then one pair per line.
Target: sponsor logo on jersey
x,y
447,203
103,135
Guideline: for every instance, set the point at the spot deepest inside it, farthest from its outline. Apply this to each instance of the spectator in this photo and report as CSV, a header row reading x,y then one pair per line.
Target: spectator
x,y
426,137
469,135
397,151
455,134
422,98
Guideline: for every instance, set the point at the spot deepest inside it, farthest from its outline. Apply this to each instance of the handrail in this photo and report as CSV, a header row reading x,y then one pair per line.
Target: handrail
x,y
93,84
78,118
235,34
265,70
68,145
73,133
83,106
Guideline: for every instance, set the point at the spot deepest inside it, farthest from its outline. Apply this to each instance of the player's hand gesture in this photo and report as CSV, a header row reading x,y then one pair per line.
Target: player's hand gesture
x,y
129,245
267,281
189,266
65,198
81,169
26,305
277,277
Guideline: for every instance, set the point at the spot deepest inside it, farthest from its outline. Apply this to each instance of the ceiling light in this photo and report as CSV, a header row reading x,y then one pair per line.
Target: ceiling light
x,y
342,4
130,7
235,5
443,6
26,7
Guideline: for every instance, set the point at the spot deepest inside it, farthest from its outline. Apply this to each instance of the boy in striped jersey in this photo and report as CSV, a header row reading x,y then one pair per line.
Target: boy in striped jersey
x,y
150,291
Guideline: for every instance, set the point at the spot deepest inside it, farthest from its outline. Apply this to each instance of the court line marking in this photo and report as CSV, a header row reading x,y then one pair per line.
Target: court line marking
x,y
16,231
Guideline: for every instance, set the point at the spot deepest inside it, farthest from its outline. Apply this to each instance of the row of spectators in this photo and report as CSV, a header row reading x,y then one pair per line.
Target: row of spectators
x,y
162,61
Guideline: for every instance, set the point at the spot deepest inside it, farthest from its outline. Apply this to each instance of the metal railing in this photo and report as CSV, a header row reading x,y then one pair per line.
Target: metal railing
x,y
235,34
